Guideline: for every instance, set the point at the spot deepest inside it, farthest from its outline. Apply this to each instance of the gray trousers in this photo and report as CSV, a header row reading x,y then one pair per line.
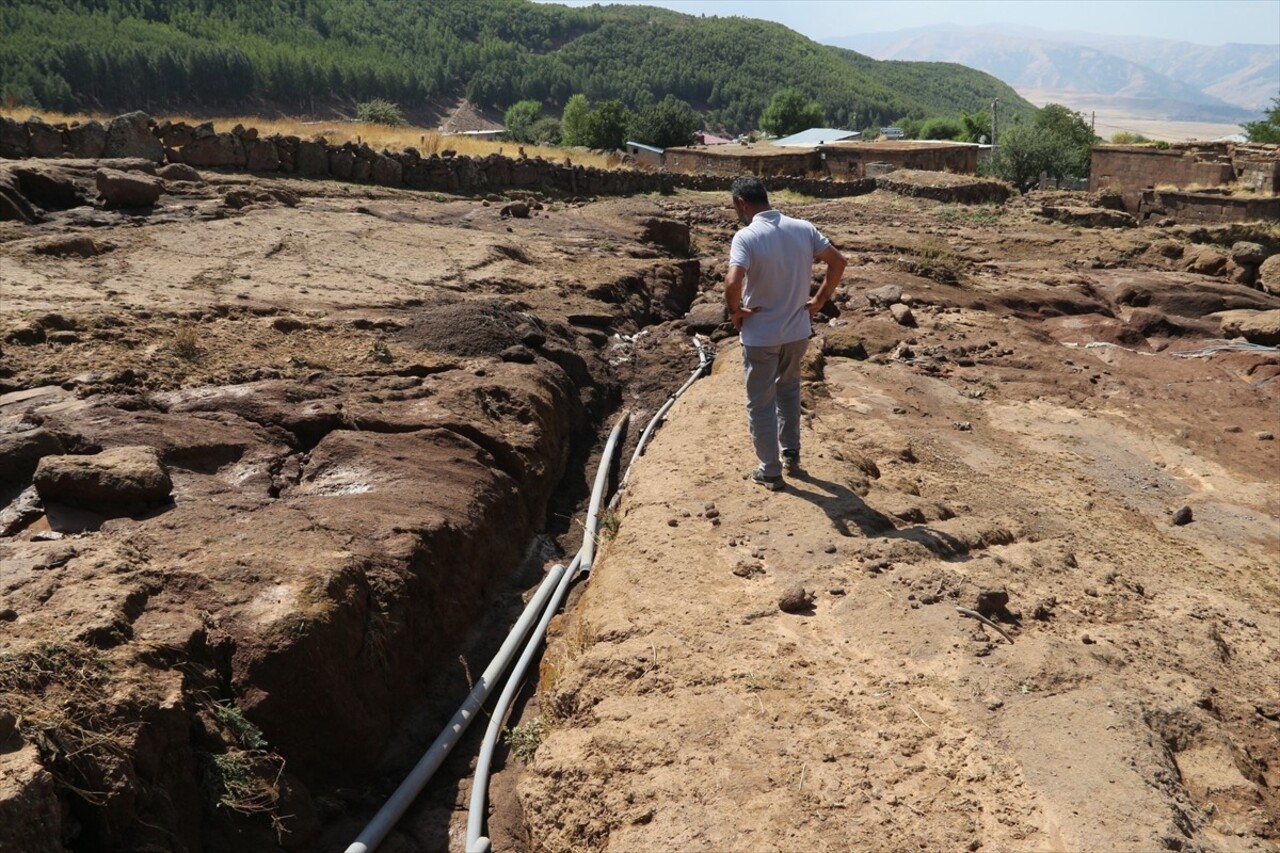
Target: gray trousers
x,y
773,400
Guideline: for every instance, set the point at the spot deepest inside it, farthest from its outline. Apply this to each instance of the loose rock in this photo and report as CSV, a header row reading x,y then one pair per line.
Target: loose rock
x,y
1182,516
796,600
105,481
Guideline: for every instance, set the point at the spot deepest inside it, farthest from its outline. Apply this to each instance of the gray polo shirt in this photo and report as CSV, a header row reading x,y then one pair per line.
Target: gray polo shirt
x,y
777,252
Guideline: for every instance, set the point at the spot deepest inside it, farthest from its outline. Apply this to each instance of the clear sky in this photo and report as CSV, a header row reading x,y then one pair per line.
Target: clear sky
x,y
1210,22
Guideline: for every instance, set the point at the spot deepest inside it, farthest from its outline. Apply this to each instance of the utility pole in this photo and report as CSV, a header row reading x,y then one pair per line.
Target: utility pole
x,y
995,105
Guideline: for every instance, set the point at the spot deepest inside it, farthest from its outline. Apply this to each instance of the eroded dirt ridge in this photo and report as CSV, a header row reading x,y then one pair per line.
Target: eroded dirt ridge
x,y
364,403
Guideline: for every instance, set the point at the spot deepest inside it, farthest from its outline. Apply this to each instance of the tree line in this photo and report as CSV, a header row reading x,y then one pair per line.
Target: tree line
x,y
308,54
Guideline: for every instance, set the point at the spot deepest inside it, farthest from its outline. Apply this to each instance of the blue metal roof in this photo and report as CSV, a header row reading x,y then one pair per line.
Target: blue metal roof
x,y
816,136
645,147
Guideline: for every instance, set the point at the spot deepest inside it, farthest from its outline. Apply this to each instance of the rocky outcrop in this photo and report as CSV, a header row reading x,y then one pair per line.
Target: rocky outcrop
x,y
1256,327
130,135
120,478
1269,275
124,189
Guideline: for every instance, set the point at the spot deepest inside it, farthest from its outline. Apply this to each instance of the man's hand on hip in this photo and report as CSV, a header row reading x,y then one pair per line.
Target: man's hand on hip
x,y
741,314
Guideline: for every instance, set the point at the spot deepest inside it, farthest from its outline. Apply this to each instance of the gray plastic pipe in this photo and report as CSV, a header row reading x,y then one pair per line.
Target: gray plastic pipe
x,y
394,808
704,361
480,781
597,495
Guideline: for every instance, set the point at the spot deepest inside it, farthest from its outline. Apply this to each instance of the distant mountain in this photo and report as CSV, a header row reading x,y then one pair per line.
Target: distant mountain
x,y
1176,80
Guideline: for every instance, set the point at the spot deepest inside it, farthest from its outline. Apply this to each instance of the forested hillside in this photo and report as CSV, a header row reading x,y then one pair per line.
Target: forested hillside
x,y
309,55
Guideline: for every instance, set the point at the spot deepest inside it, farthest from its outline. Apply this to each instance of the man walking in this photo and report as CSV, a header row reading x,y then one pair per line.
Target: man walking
x,y
767,291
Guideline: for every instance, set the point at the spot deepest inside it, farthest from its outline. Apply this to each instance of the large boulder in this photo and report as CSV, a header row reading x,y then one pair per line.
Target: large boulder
x,y
86,141
179,172
1256,327
1247,253
219,149
130,135
48,186
118,478
13,138
261,155
386,171
21,452
1269,275
311,158
45,139
1206,260
128,189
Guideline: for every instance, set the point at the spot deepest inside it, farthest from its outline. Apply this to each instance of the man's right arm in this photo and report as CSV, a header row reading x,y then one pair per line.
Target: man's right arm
x,y
734,283
835,268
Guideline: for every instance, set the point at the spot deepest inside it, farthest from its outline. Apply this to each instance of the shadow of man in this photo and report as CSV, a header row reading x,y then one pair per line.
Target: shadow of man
x,y
847,510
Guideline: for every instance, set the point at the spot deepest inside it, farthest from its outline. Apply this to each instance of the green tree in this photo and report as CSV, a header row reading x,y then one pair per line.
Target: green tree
x,y
1024,153
573,122
607,125
666,124
1074,137
977,127
545,131
519,119
941,128
1268,129
1128,137
380,111
791,112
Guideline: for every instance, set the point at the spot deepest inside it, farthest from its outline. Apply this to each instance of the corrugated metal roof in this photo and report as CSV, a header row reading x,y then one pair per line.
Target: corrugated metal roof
x,y
644,147
817,136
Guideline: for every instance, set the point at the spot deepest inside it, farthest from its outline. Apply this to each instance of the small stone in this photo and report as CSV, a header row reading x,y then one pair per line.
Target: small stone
x,y
830,549
962,426
712,513
994,704
8,614
836,590
898,410
1087,640
1264,436
991,602
673,522
796,600
1182,516
902,314
1091,591
1232,429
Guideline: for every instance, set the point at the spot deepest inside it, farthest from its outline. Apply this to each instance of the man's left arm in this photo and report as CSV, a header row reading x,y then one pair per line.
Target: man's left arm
x,y
835,269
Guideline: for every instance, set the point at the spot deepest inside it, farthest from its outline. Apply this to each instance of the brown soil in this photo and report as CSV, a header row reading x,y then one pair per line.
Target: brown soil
x,y
372,403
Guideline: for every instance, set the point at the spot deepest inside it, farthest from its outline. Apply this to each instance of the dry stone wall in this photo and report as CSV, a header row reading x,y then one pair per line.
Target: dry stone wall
x,y
1136,171
138,136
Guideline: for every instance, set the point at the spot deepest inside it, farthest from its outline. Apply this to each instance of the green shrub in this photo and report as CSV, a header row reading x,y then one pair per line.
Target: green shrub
x,y
380,111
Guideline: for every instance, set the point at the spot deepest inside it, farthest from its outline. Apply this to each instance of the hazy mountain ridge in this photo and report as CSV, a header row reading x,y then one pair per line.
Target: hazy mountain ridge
x,y
1230,83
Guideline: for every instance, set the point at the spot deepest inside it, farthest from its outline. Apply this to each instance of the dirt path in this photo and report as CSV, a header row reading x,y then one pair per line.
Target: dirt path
x,y
1135,709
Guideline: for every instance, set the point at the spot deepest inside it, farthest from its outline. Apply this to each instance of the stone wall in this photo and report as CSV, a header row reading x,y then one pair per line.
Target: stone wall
x,y
137,135
1205,207
841,162
861,160
1133,169
741,160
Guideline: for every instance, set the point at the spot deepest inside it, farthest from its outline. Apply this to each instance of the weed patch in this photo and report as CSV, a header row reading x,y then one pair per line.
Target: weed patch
x,y
525,739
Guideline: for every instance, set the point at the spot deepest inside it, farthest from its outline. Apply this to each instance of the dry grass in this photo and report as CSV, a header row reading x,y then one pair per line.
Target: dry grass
x,y
57,692
378,136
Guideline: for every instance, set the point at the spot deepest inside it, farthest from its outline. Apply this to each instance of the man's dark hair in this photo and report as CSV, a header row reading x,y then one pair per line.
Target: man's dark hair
x,y
750,190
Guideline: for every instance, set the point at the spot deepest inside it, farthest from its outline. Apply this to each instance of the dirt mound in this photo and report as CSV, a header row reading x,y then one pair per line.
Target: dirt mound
x,y
474,328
